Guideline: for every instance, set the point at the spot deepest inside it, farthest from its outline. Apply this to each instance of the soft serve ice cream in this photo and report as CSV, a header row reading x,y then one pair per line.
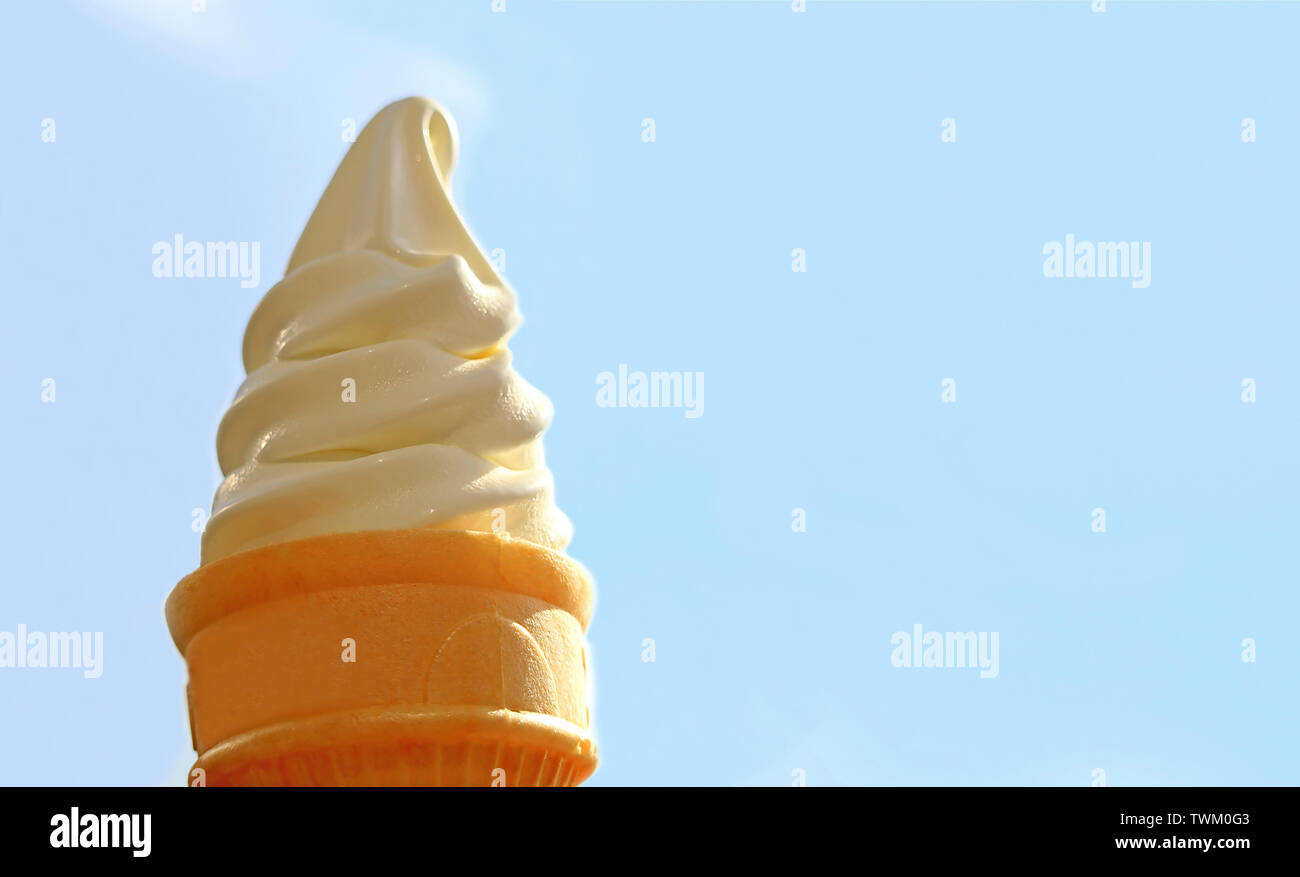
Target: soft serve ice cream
x,y
384,597
380,392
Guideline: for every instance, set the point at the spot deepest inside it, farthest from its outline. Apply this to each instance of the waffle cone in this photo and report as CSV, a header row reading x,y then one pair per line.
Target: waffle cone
x,y
388,657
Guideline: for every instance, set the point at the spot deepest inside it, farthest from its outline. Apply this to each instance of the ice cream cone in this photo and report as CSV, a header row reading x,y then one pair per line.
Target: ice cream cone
x,y
388,657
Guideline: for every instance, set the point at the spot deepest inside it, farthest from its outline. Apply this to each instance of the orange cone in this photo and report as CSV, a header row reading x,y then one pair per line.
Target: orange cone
x,y
388,657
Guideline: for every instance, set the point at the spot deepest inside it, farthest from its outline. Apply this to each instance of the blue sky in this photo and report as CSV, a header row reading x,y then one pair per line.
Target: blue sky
x,y
774,130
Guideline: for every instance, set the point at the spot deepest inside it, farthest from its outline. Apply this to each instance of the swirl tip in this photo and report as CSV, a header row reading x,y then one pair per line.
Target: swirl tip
x,y
391,192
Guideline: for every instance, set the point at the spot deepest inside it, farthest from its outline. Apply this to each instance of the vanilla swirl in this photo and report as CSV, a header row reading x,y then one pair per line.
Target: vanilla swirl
x,y
390,302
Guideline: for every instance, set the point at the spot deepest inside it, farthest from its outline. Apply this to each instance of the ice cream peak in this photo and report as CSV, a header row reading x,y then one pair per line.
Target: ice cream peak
x,y
380,392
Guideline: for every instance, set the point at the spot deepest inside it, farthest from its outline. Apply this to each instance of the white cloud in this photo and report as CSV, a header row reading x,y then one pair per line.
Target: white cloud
x,y
250,41
219,39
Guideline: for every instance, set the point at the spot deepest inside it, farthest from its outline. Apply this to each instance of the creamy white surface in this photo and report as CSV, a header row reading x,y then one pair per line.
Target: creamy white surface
x,y
387,288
